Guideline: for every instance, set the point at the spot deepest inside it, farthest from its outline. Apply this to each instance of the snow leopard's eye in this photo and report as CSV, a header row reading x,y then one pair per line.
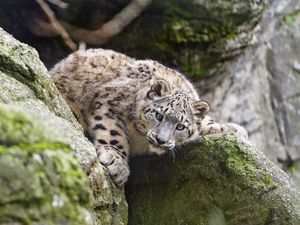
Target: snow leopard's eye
x,y
180,127
159,116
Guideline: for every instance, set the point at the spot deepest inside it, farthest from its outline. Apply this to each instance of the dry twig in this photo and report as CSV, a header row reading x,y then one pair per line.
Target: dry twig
x,y
56,25
110,28
59,3
96,37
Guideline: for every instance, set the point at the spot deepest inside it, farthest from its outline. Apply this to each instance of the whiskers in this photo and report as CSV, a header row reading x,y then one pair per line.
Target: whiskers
x,y
173,153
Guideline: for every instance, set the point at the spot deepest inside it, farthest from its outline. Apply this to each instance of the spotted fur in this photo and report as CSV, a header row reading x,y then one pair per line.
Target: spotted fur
x,y
123,104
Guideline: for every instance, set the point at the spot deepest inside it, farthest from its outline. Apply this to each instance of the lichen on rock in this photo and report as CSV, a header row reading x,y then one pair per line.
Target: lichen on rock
x,y
49,171
47,187
222,178
193,36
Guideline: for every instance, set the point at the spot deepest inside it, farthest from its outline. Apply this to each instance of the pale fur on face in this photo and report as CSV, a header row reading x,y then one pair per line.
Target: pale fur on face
x,y
168,121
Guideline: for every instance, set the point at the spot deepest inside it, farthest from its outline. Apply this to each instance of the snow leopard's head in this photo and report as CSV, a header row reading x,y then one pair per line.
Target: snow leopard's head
x,y
169,117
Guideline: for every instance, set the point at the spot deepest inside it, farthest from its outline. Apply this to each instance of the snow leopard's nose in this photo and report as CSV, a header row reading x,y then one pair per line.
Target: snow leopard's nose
x,y
160,141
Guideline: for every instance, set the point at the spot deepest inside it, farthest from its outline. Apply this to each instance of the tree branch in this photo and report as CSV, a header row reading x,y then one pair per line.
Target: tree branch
x,y
112,27
95,37
59,3
56,25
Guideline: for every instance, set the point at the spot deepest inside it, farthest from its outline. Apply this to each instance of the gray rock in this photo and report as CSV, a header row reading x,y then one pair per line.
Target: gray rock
x,y
221,180
260,88
49,171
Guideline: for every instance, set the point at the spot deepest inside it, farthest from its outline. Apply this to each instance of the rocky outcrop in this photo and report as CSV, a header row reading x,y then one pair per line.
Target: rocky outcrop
x,y
49,172
260,88
221,180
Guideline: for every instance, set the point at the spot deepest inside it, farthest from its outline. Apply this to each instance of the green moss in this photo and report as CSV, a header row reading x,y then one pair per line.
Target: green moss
x,y
41,146
22,63
184,31
41,181
37,85
290,18
199,64
15,127
28,133
188,36
292,167
46,187
220,172
2,149
37,147
104,217
188,43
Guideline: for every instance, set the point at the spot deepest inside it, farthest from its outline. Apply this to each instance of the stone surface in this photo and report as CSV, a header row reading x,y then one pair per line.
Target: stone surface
x,y
221,180
193,36
260,88
49,171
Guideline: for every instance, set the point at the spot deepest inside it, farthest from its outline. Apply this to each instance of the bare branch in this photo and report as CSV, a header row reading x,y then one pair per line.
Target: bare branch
x,y
59,3
111,28
96,37
56,25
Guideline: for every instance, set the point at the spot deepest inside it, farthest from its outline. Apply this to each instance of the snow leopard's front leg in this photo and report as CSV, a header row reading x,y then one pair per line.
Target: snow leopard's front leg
x,y
208,126
111,141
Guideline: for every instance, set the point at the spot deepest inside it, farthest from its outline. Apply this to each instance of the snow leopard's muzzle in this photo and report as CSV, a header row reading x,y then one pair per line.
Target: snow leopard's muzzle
x,y
162,136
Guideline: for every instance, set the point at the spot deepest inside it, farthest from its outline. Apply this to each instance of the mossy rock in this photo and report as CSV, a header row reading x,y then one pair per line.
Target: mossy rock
x,y
221,180
43,187
191,36
49,171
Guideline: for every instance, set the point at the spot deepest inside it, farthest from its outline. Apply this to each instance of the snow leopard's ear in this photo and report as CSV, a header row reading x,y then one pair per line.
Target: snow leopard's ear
x,y
200,108
159,88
